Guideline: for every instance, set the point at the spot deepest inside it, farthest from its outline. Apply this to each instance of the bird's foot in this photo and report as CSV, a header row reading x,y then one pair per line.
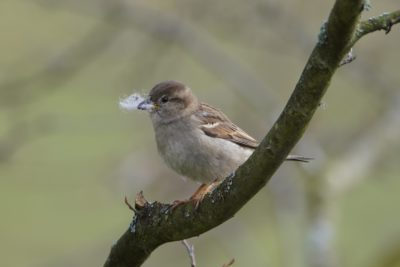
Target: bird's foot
x,y
178,203
197,196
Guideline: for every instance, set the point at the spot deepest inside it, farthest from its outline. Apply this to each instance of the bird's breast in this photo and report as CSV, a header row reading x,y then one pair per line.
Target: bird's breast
x,y
191,153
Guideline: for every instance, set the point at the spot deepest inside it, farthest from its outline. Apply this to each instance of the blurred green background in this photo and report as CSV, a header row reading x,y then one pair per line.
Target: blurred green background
x,y
69,155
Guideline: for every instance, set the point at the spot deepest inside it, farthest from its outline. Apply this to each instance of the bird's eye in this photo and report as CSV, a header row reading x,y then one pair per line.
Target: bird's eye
x,y
164,99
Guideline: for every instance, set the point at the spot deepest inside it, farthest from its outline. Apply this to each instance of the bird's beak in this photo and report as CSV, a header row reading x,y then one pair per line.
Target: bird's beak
x,y
147,105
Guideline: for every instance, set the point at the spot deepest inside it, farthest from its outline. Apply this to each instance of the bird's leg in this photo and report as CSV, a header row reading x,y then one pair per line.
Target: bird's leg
x,y
198,195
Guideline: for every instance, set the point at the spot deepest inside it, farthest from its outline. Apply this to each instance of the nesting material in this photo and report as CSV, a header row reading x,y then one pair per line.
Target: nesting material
x,y
131,102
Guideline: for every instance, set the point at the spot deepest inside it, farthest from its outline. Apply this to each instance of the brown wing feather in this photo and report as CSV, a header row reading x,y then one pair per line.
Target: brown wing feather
x,y
216,124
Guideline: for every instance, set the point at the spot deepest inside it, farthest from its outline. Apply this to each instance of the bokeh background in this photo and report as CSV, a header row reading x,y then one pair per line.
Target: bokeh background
x,y
69,155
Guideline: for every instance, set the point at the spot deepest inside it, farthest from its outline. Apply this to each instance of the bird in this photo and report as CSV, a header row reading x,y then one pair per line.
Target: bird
x,y
195,139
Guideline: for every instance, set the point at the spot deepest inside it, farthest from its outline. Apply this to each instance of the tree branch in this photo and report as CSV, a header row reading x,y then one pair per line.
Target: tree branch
x,y
382,22
190,251
155,224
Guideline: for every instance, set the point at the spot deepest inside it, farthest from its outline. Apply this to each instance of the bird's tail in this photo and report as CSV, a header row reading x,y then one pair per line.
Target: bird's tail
x,y
298,158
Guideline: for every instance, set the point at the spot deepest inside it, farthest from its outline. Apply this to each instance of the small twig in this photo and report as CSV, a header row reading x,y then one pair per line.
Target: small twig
x,y
140,201
350,57
381,22
230,263
190,250
129,204
192,256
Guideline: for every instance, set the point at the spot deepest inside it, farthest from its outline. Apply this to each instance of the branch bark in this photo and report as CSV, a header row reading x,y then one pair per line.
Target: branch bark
x,y
155,224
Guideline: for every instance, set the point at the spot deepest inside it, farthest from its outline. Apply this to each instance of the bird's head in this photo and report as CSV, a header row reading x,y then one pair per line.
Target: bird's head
x,y
168,101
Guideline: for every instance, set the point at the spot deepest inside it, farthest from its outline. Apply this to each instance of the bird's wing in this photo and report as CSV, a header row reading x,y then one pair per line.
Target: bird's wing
x,y
214,123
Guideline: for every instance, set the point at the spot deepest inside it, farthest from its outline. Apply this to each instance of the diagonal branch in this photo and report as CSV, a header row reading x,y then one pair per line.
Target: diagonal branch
x,y
155,224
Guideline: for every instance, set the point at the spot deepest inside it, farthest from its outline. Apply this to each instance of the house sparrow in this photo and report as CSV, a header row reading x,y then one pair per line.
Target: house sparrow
x,y
195,139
